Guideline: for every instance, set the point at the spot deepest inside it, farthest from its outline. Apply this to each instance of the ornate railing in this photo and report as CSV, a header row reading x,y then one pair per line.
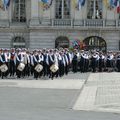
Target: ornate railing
x,y
96,23
80,23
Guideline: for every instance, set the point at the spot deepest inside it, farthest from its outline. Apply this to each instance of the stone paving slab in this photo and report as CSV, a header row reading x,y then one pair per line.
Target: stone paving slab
x,y
100,93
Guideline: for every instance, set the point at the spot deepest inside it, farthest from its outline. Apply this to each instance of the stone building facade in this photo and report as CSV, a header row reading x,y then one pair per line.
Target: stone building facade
x,y
27,24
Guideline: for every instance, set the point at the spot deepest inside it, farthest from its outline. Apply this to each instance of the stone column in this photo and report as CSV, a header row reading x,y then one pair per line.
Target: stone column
x,y
4,18
34,21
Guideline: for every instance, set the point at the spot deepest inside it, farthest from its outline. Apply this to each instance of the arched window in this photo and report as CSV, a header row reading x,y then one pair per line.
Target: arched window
x,y
62,42
18,42
19,11
95,43
94,9
62,9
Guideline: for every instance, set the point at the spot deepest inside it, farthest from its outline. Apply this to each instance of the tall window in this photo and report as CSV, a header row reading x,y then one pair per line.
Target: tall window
x,y
19,14
18,42
94,9
62,9
95,43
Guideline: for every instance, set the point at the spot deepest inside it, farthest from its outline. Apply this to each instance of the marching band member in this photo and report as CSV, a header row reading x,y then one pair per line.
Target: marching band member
x,y
4,60
31,63
94,61
35,62
46,66
84,62
40,61
109,61
12,62
19,59
61,62
27,63
118,61
75,61
101,62
50,61
66,58
1,51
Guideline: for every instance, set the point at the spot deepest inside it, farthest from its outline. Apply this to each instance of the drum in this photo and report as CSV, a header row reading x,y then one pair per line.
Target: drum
x,y
38,67
54,68
3,68
21,67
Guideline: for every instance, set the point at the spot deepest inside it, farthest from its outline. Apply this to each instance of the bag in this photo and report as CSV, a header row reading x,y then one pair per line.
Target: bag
x,y
54,68
21,67
38,68
3,68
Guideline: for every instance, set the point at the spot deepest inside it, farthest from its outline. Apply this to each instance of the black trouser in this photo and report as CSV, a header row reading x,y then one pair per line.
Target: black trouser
x,y
12,68
118,65
55,74
74,66
66,69
18,73
36,74
31,69
61,69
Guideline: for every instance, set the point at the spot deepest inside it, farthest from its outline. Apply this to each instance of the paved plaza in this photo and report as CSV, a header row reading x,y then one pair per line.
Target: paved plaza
x,y
80,96
101,93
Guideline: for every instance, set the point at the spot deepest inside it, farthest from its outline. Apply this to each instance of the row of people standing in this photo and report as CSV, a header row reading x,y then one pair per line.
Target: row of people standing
x,y
63,59
30,59
96,61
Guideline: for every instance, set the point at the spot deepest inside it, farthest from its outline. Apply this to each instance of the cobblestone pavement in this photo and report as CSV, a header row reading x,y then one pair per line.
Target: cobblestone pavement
x,y
100,93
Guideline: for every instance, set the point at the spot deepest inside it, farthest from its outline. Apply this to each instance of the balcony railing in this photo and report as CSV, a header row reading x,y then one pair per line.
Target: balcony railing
x,y
72,23
79,23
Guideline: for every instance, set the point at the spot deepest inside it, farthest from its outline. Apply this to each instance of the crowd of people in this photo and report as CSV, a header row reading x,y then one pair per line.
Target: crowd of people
x,y
52,63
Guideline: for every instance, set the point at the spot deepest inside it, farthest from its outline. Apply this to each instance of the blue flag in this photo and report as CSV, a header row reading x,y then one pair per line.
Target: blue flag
x,y
115,2
82,2
6,3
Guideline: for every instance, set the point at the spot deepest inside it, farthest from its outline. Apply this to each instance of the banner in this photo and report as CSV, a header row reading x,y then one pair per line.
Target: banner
x,y
46,4
78,4
4,4
118,6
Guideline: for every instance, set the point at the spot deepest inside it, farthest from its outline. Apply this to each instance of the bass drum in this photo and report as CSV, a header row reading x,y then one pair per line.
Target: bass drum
x,y
21,67
54,68
3,68
38,67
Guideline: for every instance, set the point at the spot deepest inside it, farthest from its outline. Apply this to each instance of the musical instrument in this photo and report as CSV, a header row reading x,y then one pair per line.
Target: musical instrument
x,y
3,68
21,67
38,68
54,68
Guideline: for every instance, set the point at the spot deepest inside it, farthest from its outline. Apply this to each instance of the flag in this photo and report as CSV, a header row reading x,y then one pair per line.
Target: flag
x,y
6,3
2,4
46,4
118,6
106,3
81,3
115,2
74,3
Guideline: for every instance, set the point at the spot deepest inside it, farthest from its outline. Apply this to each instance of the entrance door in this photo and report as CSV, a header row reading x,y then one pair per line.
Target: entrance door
x,y
18,42
95,43
62,42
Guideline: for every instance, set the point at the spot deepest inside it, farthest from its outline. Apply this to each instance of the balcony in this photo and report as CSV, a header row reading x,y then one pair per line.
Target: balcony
x,y
65,23
101,23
